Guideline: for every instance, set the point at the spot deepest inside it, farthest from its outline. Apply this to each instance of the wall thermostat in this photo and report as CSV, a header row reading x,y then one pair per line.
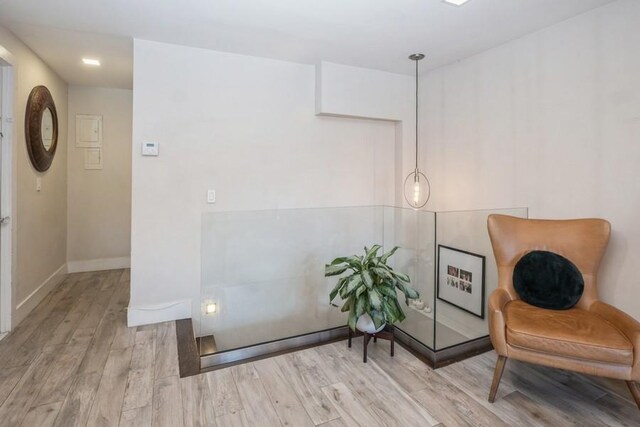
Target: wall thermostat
x,y
150,148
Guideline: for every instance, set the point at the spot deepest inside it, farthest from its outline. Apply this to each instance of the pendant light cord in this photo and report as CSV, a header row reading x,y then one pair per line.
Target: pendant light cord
x,y
417,115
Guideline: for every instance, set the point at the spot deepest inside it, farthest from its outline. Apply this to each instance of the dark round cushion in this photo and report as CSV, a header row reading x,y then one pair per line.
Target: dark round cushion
x,y
548,280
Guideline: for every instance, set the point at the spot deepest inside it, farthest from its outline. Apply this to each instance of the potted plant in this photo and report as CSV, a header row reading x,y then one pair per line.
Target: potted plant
x,y
369,289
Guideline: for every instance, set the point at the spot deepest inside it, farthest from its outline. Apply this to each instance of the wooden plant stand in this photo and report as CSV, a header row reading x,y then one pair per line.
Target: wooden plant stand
x,y
386,334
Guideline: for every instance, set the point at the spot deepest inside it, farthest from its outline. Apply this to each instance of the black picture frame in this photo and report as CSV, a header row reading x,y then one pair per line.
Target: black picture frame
x,y
480,312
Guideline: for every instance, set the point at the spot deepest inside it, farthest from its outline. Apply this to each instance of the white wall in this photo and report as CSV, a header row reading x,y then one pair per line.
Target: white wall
x,y
550,121
39,219
99,201
246,127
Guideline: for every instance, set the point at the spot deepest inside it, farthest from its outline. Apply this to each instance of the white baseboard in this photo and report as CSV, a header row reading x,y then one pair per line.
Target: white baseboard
x,y
98,264
30,302
146,315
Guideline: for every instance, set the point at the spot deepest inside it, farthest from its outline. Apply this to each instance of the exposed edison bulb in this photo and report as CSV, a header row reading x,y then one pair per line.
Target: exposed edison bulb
x,y
417,189
416,192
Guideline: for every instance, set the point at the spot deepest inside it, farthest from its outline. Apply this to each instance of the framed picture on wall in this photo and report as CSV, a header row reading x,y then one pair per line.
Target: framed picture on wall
x,y
461,279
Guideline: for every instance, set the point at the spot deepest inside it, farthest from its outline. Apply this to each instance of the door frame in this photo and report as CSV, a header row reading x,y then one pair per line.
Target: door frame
x,y
7,190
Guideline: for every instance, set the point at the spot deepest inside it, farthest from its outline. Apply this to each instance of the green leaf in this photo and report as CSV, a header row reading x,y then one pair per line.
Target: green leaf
x,y
367,279
340,260
347,305
334,270
354,282
343,289
402,277
388,291
335,290
361,305
333,294
408,292
401,315
375,299
353,319
394,307
370,253
354,263
361,290
386,256
381,272
390,311
385,267
378,317
411,293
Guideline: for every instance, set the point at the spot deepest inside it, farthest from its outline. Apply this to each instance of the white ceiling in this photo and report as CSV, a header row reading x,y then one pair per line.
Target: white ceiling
x,y
376,34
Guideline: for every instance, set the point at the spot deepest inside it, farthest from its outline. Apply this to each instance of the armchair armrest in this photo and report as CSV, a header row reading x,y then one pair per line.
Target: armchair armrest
x,y
627,325
497,300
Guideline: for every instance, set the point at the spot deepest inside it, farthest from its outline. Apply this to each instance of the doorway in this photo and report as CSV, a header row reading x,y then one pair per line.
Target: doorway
x,y
6,179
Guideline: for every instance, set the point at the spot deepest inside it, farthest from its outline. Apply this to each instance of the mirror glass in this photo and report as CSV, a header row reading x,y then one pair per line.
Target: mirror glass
x,y
47,128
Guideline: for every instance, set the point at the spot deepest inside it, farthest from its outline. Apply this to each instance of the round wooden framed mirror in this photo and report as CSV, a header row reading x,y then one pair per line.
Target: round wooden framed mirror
x,y
41,128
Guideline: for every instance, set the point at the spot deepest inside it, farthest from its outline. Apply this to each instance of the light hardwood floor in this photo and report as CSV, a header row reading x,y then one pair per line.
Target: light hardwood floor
x,y
73,362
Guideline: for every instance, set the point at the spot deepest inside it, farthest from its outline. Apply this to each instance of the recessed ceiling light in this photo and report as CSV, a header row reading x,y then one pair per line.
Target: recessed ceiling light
x,y
90,61
455,2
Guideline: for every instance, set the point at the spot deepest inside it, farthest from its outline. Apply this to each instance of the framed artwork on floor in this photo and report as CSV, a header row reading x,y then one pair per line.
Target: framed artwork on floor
x,y
461,279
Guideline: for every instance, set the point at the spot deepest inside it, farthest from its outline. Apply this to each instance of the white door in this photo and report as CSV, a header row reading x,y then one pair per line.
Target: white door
x,y
6,132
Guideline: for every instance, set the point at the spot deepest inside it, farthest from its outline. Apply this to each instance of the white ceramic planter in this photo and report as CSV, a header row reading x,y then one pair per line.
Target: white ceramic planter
x,y
365,324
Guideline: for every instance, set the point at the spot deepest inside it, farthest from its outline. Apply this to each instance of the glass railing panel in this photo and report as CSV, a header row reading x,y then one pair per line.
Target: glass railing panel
x,y
461,294
264,270
413,232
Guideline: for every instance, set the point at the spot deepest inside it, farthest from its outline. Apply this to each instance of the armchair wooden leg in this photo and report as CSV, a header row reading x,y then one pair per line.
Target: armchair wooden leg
x,y
497,375
635,392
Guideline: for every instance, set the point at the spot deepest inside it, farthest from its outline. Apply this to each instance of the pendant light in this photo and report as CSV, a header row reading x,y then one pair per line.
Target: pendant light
x,y
417,188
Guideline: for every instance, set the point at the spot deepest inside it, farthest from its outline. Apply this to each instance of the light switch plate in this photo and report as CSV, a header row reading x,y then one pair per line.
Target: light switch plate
x,y
211,196
150,148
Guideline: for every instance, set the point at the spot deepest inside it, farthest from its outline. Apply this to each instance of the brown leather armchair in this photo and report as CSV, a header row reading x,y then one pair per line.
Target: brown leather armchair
x,y
592,337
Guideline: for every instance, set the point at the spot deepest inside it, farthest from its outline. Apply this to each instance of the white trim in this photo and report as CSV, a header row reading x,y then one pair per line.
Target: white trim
x,y
147,315
98,264
7,182
30,302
